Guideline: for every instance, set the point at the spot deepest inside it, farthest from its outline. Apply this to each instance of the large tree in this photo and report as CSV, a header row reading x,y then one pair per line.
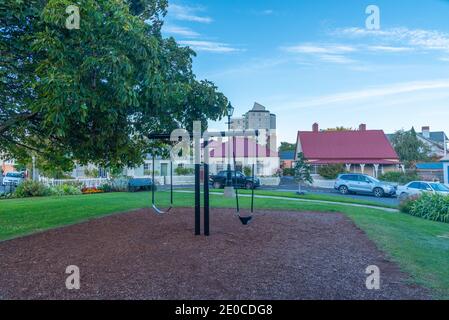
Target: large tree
x,y
286,146
94,94
409,148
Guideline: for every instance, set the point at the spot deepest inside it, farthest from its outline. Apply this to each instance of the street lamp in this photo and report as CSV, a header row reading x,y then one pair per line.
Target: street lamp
x,y
229,189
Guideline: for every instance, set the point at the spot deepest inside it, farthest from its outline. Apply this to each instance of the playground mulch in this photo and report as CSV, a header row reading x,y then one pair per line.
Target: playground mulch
x,y
138,255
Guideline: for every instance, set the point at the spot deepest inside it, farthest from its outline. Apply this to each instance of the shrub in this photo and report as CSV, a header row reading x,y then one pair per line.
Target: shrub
x,y
29,188
64,190
331,171
247,171
406,204
119,184
106,187
180,171
288,172
433,207
399,177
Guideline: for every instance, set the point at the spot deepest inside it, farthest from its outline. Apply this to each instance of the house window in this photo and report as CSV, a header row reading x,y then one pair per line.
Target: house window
x,y
147,166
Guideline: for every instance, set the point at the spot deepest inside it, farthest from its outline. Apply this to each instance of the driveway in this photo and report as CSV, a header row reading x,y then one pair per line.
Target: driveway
x,y
288,184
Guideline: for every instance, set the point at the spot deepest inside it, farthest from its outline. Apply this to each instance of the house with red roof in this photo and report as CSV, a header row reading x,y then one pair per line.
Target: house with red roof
x,y
362,150
247,152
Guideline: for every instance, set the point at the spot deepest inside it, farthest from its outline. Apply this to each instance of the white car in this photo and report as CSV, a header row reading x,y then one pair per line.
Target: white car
x,y
14,178
419,187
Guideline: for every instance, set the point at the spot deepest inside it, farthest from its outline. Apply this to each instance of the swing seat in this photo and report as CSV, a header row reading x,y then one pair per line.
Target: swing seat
x,y
245,220
159,211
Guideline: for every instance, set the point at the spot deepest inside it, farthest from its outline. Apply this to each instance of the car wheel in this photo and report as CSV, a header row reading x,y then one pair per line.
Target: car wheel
x,y
378,192
343,190
217,185
249,185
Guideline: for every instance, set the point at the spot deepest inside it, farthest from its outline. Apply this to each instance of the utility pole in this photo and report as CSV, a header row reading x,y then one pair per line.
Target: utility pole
x,y
229,191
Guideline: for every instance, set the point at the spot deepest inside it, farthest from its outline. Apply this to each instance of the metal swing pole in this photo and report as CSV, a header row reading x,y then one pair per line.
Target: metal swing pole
x,y
206,199
197,201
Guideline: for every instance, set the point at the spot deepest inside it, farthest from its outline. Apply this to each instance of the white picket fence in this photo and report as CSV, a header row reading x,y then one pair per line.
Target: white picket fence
x,y
88,183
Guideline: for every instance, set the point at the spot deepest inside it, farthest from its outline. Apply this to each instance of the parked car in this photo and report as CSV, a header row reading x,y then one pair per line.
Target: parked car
x,y
419,187
362,183
14,178
239,180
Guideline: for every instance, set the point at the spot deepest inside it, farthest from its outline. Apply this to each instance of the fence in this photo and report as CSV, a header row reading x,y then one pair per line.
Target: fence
x,y
7,190
88,183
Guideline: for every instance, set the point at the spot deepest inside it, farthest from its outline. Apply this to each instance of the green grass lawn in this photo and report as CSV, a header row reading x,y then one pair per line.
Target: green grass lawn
x,y
419,246
320,197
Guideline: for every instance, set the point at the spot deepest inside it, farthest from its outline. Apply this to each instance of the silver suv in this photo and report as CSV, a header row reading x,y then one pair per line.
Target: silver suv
x,y
14,178
362,183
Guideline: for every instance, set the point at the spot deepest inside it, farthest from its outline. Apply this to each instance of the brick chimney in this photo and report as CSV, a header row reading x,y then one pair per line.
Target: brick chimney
x,y
426,132
315,127
362,127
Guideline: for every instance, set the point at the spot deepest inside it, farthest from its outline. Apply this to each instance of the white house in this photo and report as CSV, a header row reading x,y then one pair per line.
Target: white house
x,y
247,152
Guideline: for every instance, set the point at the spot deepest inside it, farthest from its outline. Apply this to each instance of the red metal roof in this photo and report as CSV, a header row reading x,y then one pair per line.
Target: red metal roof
x,y
369,146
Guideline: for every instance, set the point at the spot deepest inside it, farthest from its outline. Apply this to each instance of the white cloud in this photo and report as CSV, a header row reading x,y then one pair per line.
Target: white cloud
x,y
186,13
389,49
417,38
326,53
209,46
319,49
372,93
180,31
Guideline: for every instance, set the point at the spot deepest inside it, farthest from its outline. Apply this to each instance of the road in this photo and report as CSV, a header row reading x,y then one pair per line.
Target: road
x,y
288,184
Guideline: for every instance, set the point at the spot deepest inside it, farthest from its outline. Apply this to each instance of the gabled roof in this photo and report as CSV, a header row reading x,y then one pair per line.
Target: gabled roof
x,y
368,146
436,136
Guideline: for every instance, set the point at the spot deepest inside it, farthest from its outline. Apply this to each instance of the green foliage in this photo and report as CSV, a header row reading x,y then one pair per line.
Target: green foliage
x,y
406,204
428,206
285,146
181,171
302,170
65,190
30,188
91,173
399,177
288,172
247,171
409,148
331,171
93,94
106,187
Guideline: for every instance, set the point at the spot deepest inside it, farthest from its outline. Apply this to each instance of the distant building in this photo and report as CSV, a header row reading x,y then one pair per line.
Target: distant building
x,y
247,152
287,158
258,118
436,141
7,165
362,151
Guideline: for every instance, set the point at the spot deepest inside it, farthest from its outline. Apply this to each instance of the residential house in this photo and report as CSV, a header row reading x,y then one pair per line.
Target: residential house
x,y
7,165
287,159
436,141
361,151
430,171
247,152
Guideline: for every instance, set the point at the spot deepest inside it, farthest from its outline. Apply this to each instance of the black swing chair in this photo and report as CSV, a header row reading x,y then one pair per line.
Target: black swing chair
x,y
153,187
244,220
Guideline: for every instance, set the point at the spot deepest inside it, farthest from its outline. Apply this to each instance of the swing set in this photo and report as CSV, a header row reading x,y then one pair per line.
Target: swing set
x,y
245,220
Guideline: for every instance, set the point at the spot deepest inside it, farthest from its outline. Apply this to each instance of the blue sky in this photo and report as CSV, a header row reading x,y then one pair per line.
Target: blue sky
x,y
315,61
